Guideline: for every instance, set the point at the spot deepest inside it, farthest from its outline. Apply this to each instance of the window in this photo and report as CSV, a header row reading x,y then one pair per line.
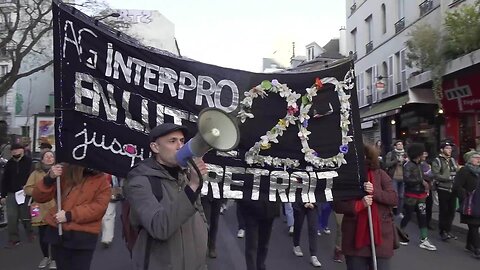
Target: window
x,y
390,75
310,53
373,84
397,77
353,34
369,89
361,91
403,70
384,19
368,21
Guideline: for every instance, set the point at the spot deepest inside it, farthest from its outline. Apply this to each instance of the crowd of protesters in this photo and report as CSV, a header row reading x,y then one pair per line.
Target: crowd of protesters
x,y
178,227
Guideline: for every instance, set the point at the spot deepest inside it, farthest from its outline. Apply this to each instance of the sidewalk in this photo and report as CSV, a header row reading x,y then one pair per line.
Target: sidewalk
x,y
457,226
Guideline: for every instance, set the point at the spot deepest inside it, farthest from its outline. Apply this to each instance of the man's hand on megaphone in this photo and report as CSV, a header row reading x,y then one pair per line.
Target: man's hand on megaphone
x,y
194,178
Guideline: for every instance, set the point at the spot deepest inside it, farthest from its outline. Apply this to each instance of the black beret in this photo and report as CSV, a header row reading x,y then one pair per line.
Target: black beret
x,y
164,129
16,146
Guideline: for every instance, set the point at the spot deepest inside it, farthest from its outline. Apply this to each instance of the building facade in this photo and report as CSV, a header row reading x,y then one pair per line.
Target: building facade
x,y
460,93
376,34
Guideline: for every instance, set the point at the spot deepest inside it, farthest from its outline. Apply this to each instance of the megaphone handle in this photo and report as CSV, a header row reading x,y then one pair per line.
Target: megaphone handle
x,y
200,176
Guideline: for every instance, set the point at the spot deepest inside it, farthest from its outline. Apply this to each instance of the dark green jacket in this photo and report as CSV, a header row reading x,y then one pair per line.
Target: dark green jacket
x,y
442,175
177,227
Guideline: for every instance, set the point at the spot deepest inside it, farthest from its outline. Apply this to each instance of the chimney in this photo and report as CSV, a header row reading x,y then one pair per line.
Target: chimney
x,y
342,42
293,49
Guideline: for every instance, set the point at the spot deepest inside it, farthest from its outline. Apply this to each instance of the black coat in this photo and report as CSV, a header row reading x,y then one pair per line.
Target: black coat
x,y
413,178
259,209
465,181
15,175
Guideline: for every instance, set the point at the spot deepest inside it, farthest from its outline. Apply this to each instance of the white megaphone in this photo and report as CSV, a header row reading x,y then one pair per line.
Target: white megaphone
x,y
216,130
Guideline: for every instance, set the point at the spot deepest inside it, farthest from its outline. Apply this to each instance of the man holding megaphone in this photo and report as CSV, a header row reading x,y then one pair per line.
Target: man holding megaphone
x,y
163,192
164,203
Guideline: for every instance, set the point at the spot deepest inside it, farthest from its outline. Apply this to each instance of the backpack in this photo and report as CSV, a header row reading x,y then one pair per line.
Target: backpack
x,y
471,202
130,232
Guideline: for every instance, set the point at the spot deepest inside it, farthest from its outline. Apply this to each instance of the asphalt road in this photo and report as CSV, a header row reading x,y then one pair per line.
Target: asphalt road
x,y
230,252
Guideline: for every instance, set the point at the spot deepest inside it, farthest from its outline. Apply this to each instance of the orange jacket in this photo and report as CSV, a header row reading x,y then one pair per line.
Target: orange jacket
x,y
86,202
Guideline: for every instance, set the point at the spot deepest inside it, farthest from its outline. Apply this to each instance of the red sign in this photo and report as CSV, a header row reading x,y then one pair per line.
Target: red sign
x,y
461,94
380,86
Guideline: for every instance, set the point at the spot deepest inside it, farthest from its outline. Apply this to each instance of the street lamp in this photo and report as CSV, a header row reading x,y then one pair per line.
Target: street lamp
x,y
113,15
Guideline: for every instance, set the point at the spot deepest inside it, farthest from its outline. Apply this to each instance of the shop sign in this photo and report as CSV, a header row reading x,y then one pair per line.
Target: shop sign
x,y
461,94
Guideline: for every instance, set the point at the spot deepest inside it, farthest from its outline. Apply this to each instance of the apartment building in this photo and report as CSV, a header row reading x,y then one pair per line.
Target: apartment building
x,y
376,34
460,91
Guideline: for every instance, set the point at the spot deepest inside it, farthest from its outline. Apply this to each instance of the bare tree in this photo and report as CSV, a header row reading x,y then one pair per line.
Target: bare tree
x,y
26,34
25,24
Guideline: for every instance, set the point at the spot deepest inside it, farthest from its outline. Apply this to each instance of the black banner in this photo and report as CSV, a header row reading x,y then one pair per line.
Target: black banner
x,y
300,131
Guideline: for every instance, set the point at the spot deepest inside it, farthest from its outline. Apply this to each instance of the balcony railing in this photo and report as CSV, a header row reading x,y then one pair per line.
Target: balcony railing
x,y
369,47
400,25
425,7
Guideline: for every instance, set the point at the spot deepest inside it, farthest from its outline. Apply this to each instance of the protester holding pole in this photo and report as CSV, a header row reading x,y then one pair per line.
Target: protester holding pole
x,y
356,237
85,194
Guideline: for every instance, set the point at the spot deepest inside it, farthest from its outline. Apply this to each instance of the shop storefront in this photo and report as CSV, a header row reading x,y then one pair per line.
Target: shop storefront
x,y
401,118
378,120
418,123
461,102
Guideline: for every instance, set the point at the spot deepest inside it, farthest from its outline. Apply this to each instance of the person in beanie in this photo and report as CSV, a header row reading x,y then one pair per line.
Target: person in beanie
x,y
172,227
466,181
444,169
394,161
40,210
16,172
416,192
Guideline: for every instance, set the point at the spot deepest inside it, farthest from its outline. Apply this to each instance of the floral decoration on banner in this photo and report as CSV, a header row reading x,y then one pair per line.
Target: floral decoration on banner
x,y
299,117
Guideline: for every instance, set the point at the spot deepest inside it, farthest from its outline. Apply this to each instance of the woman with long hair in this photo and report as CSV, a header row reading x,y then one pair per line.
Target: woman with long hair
x,y
467,182
85,195
381,198
40,210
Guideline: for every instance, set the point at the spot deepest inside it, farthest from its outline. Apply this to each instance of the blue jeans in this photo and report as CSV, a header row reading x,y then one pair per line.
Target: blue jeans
x,y
324,212
399,187
289,213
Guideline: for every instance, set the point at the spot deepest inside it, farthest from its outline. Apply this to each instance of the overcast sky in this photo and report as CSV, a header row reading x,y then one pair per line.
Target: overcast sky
x,y
238,34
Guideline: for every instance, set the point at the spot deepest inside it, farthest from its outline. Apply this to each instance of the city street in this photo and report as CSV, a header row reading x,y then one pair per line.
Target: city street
x,y
230,252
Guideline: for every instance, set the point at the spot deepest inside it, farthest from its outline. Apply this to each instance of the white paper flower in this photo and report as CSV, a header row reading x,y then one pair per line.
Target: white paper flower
x,y
277,162
243,115
304,112
311,92
268,160
285,91
292,99
303,134
247,101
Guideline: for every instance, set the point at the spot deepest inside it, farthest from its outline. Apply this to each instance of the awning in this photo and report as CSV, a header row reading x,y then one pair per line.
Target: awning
x,y
384,108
